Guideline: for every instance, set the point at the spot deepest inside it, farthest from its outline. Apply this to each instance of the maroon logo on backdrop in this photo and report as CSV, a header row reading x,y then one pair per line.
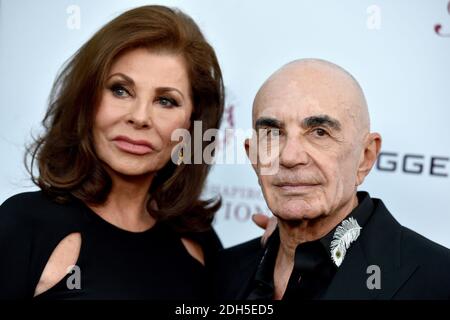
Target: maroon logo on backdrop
x,y
229,111
438,27
226,135
229,118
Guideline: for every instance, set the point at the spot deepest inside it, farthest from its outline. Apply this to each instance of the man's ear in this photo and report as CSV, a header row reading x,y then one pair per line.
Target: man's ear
x,y
369,156
251,154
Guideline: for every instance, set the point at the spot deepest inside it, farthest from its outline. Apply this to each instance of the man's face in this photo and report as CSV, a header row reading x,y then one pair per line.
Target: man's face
x,y
319,145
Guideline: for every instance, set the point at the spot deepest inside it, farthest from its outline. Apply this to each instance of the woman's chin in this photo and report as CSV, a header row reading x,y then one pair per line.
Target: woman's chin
x,y
131,171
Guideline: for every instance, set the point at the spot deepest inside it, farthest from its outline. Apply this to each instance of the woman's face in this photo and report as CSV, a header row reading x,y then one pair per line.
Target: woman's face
x,y
145,98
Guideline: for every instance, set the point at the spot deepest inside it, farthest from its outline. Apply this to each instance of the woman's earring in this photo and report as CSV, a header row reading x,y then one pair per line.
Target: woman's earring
x,y
180,156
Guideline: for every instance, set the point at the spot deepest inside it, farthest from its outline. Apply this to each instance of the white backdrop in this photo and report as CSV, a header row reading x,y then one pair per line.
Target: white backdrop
x,y
393,48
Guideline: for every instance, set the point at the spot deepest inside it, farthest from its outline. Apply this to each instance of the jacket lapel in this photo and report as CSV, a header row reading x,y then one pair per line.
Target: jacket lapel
x,y
378,245
351,278
247,275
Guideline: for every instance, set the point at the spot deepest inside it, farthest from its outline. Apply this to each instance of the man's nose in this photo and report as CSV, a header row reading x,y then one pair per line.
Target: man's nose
x,y
293,152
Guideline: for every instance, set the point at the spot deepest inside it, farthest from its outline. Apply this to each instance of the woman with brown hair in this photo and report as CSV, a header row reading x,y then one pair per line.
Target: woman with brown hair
x,y
115,217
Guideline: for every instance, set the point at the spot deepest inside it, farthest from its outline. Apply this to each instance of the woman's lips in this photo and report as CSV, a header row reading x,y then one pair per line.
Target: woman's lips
x,y
138,147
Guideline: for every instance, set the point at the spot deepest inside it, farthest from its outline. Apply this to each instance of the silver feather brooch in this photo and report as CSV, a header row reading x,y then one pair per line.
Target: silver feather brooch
x,y
346,233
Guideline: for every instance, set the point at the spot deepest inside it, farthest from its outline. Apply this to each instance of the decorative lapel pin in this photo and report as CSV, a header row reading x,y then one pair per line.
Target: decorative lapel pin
x,y
344,235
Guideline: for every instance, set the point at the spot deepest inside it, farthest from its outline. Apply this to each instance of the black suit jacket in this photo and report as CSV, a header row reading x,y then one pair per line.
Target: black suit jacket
x,y
411,266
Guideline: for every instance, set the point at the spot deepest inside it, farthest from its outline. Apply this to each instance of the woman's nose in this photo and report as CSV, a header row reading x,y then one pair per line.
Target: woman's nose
x,y
140,115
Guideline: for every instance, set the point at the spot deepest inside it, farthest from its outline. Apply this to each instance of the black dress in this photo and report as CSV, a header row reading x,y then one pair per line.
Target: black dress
x,y
112,264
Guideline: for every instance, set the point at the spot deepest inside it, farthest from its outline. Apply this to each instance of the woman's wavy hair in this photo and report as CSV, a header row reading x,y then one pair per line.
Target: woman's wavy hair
x,y
64,154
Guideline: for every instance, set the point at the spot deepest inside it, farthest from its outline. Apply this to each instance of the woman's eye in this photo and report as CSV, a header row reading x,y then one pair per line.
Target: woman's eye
x,y
168,102
120,91
273,133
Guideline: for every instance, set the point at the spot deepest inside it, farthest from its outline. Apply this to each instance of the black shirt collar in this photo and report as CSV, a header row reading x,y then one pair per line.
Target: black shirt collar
x,y
263,280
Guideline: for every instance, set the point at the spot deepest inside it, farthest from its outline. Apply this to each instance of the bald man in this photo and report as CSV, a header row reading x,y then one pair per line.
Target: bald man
x,y
332,242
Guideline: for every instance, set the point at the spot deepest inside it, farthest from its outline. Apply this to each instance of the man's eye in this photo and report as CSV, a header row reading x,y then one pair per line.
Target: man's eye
x,y
320,132
120,91
168,102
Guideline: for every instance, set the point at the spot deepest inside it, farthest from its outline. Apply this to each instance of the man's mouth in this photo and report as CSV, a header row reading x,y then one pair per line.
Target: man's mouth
x,y
296,187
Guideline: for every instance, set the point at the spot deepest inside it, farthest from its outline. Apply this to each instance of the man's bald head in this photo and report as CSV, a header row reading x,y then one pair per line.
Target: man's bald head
x,y
318,80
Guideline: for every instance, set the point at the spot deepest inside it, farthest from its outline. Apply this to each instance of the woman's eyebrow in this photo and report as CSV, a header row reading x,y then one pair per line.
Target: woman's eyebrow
x,y
161,90
122,75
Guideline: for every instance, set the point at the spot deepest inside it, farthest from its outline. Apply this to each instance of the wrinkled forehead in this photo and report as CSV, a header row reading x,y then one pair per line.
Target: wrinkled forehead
x,y
295,101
